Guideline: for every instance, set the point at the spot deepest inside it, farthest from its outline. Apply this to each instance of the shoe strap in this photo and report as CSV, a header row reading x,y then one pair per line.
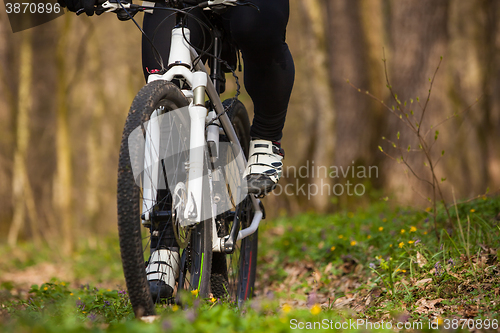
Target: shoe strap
x,y
266,147
162,263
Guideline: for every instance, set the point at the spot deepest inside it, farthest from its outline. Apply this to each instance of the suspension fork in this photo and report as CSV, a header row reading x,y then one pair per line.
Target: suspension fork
x,y
198,114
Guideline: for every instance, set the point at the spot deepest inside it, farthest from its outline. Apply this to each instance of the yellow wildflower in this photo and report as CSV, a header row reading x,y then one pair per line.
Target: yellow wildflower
x,y
403,270
390,245
369,236
411,242
63,284
316,309
213,300
401,245
332,248
341,236
428,209
472,210
175,307
195,292
380,228
71,294
425,232
353,243
286,308
403,231
108,289
45,288
413,229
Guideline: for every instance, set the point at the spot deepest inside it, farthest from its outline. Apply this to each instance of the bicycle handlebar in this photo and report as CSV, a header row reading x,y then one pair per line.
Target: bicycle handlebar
x,y
114,5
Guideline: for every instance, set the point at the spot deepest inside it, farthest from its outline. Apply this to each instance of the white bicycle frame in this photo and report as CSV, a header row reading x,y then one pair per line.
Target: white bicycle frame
x,y
180,62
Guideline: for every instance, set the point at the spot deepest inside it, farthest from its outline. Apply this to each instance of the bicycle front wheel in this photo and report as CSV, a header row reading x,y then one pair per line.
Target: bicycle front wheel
x,y
189,261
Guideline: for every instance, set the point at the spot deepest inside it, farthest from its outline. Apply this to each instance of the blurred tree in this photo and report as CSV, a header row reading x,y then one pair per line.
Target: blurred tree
x,y
63,185
22,194
320,106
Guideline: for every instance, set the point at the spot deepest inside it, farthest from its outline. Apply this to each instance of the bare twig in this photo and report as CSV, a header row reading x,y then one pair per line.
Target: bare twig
x,y
408,118
429,95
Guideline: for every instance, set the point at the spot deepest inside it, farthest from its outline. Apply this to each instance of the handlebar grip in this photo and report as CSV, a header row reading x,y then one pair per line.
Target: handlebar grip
x,y
98,10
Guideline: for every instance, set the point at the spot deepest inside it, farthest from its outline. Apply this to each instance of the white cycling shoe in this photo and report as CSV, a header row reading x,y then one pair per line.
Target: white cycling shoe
x,y
264,167
162,271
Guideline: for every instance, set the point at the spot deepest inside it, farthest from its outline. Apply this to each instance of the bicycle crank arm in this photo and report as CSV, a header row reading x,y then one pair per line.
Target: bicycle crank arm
x,y
227,244
230,241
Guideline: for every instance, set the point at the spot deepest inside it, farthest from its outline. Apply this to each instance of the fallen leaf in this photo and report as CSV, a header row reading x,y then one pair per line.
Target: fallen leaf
x,y
425,306
423,282
342,302
421,261
317,276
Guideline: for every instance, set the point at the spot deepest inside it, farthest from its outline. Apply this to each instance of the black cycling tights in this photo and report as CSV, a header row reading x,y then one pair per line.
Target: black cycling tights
x,y
268,65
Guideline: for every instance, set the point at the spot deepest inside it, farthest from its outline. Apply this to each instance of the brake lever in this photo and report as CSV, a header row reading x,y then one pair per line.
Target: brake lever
x,y
108,6
213,3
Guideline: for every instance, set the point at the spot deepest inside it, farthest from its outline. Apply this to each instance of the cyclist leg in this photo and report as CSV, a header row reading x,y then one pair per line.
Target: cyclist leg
x,y
269,76
269,70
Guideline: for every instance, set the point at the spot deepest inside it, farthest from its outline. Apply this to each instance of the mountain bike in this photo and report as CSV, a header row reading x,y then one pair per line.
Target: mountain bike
x,y
182,156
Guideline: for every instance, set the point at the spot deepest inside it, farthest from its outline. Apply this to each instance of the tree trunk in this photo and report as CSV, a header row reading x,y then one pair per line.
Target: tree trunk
x,y
63,181
323,138
419,37
22,194
95,147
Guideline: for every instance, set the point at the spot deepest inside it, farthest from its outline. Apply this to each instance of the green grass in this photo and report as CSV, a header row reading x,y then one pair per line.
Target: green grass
x,y
378,263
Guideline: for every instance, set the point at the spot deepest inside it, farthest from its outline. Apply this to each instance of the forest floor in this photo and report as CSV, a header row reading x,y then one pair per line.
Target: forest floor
x,y
379,268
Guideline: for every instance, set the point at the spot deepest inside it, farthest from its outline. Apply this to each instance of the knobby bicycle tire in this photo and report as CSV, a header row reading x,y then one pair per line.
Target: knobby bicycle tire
x,y
199,256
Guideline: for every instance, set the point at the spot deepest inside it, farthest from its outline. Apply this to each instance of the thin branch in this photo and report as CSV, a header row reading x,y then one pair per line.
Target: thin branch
x,y
413,188
378,100
390,89
454,115
477,197
413,172
429,95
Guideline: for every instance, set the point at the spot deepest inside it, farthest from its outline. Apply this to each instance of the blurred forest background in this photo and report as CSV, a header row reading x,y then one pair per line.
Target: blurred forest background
x,y
66,86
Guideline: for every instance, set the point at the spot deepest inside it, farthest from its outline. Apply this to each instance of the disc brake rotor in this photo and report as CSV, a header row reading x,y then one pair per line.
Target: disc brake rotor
x,y
179,199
